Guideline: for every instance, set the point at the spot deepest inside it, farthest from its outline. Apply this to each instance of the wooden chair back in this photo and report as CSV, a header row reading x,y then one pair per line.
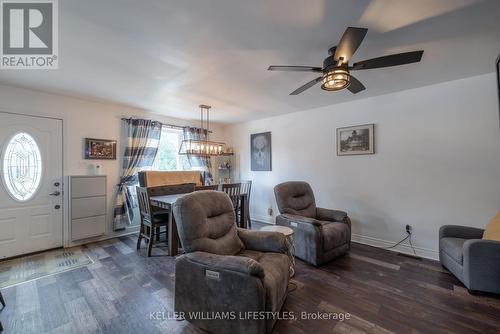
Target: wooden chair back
x,y
246,187
212,187
233,190
145,208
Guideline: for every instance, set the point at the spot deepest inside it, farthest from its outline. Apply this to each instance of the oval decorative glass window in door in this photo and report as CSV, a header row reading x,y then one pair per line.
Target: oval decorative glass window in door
x,y
22,166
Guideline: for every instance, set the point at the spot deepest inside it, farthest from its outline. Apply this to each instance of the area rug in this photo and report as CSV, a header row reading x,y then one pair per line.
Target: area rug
x,y
28,268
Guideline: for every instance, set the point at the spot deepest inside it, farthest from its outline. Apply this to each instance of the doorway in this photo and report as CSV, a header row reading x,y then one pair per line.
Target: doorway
x,y
31,173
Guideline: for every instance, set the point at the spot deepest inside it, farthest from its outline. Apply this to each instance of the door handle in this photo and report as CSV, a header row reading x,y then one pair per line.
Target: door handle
x,y
55,193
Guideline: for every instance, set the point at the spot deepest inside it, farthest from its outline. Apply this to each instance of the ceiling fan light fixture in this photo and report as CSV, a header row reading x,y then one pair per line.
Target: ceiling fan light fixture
x,y
336,79
335,74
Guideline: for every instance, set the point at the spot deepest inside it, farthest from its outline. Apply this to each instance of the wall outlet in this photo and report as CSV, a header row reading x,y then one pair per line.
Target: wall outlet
x,y
408,228
270,211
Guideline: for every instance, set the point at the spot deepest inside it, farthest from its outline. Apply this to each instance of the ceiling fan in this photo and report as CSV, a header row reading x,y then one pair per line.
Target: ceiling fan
x,y
336,70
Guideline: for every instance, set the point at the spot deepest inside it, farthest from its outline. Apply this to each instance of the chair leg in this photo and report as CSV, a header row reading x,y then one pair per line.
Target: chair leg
x,y
151,240
2,301
157,232
139,239
249,220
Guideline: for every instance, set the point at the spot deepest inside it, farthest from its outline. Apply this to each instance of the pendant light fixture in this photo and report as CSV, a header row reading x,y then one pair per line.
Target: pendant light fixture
x,y
204,146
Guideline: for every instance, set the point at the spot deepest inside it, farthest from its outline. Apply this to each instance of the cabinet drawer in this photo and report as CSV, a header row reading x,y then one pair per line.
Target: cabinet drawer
x,y
87,227
88,207
88,186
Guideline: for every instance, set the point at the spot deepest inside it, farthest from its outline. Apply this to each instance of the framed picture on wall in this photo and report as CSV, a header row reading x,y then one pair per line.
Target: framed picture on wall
x,y
260,151
100,149
356,140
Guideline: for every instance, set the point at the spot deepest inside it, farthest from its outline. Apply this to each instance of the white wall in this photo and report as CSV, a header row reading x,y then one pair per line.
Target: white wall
x,y
437,161
82,118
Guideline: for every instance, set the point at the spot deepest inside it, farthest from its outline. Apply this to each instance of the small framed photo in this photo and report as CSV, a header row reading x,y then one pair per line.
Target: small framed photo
x,y
356,140
100,149
260,151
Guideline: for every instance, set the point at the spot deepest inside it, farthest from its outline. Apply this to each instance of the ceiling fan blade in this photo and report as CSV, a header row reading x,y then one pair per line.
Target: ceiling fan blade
x,y
391,60
356,86
349,43
294,68
306,86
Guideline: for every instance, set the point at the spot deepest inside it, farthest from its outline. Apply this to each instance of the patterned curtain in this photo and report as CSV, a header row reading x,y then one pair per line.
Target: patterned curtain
x,y
199,163
143,137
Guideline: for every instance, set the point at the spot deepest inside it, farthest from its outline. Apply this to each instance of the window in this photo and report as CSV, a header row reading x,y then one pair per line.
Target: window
x,y
22,167
167,157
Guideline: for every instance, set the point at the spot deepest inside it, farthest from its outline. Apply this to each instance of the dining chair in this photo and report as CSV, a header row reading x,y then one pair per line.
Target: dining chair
x,y
153,218
246,188
233,190
164,190
211,187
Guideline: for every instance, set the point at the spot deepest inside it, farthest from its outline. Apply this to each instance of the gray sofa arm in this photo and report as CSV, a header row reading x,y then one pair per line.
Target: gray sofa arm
x,y
216,262
330,215
263,241
482,265
480,249
457,231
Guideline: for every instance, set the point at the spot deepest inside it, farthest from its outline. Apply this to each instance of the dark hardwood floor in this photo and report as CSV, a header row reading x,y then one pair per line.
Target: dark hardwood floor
x,y
381,290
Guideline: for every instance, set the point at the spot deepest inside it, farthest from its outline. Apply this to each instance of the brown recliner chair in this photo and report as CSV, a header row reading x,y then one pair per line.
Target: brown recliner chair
x,y
321,235
226,270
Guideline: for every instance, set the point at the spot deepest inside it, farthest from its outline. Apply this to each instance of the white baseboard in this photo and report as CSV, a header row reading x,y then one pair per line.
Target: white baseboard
x,y
127,231
370,241
403,248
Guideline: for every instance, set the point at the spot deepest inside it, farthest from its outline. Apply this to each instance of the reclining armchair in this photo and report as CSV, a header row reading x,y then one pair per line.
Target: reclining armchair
x,y
474,261
320,235
226,270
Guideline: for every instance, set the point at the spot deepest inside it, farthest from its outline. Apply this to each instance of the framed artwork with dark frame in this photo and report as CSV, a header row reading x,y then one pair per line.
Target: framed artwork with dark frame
x,y
100,149
260,151
356,140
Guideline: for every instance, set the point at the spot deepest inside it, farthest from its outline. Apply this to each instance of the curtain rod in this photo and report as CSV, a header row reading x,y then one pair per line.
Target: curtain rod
x,y
172,126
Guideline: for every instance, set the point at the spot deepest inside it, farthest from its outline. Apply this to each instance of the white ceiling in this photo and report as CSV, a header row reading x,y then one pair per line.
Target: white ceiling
x,y
170,56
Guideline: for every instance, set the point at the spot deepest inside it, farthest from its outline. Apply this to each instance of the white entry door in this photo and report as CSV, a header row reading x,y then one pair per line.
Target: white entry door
x,y
31,207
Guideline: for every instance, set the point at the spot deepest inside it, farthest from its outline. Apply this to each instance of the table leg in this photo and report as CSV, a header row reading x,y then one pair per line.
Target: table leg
x,y
243,212
249,221
173,236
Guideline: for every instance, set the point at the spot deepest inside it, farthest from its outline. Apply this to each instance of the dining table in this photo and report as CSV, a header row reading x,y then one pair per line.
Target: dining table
x,y
166,202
